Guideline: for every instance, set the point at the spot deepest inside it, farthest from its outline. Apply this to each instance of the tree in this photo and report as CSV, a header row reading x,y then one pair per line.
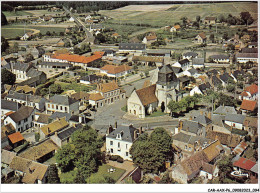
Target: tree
x,y
221,18
3,19
52,175
196,24
77,50
29,57
55,89
174,106
184,20
141,75
212,38
147,155
220,87
4,44
48,33
230,88
198,18
85,47
65,158
225,36
246,18
146,74
7,77
100,38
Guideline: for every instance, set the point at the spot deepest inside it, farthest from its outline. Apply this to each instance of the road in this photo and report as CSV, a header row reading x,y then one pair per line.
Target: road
x,y
90,37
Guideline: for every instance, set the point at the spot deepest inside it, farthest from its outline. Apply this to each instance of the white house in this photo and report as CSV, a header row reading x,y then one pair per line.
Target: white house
x,y
246,57
220,58
116,71
88,18
235,120
119,140
184,64
26,36
71,19
8,106
21,119
209,171
250,93
191,72
189,55
198,63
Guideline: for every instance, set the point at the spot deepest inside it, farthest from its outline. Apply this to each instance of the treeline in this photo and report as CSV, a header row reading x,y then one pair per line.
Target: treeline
x,y
26,5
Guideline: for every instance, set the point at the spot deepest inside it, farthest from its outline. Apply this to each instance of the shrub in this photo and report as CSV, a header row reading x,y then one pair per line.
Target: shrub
x,y
120,160
113,157
37,137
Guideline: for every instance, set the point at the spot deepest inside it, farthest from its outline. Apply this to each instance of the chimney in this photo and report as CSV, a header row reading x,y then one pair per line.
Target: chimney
x,y
110,129
180,125
116,124
201,112
135,134
56,134
48,130
140,131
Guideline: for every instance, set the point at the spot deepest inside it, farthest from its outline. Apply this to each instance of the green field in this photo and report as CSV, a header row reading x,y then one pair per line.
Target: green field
x,y
12,33
48,28
172,15
17,13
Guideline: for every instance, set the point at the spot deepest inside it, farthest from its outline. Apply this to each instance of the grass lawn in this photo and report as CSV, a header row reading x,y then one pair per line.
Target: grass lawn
x,y
75,86
157,114
17,13
98,178
68,177
48,28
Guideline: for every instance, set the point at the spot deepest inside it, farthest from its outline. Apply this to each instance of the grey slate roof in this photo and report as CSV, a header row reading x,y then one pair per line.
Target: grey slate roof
x,y
62,99
249,50
10,105
202,119
237,118
127,133
247,55
24,97
21,114
197,61
218,120
109,51
192,54
184,79
21,66
184,61
68,132
255,168
204,87
224,110
165,69
56,64
158,51
132,46
56,115
191,126
193,71
236,73
224,77
43,118
216,81
33,72
91,77
177,69
189,139
212,72
219,57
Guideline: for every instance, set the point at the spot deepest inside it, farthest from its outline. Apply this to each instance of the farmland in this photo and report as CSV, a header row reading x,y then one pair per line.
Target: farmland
x,y
161,17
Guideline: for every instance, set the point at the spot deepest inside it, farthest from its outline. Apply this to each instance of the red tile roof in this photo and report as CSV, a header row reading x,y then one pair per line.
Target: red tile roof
x,y
15,137
177,26
248,105
111,69
147,95
77,58
244,163
244,93
202,35
252,89
106,87
95,97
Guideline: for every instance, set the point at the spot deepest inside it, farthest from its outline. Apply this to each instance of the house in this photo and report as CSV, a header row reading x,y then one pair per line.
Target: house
x,y
225,110
210,20
148,60
118,60
116,71
37,52
251,125
21,119
71,19
158,53
209,171
136,175
119,140
150,38
192,127
249,50
248,106
115,35
55,65
252,45
63,137
96,27
40,152
132,47
201,38
62,103
191,73
26,36
225,78
16,139
244,164
41,120
246,57
184,82
184,64
27,100
240,148
245,38
5,131
108,53
250,93
81,96
189,55
238,73
201,89
106,93
31,171
220,58
235,121
9,106
90,79
51,128
175,28
226,139
88,17
72,119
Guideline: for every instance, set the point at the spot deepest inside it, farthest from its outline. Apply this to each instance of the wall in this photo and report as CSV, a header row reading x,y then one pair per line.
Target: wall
x,y
124,147
134,105
235,125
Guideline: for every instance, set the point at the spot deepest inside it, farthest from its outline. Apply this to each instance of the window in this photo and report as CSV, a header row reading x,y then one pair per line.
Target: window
x,y
126,153
118,144
60,107
49,106
65,108
57,107
25,120
111,142
111,150
185,147
19,123
52,106
126,146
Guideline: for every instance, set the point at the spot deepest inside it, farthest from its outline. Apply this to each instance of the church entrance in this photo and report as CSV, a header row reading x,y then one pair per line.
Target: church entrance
x,y
163,106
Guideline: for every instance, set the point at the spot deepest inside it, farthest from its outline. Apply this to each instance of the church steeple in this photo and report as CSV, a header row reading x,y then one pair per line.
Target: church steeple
x,y
166,76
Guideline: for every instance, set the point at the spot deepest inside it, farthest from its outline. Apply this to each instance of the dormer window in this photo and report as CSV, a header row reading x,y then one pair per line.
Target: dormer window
x,y
118,136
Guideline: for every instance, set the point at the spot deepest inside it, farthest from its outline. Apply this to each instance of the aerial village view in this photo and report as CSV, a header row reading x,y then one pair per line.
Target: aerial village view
x,y
129,92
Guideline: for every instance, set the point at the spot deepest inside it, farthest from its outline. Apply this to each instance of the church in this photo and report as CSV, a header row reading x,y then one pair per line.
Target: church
x,y
163,87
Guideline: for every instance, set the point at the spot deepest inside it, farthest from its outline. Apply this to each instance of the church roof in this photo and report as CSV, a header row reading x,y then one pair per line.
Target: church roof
x,y
147,95
165,69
